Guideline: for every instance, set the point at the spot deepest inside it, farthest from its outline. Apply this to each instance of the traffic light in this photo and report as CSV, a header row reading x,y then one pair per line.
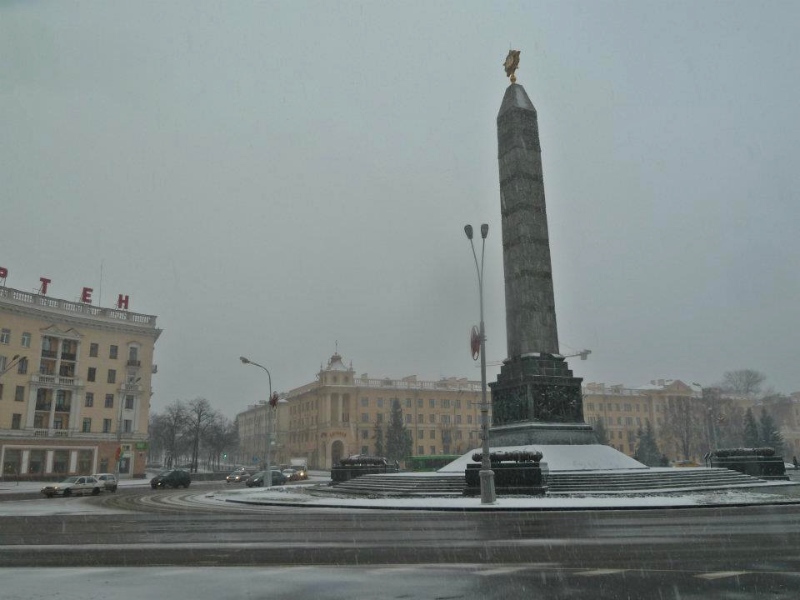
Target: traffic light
x,y
224,455
273,400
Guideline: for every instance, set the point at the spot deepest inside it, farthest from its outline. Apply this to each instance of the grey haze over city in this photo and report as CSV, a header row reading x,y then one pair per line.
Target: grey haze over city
x,y
273,179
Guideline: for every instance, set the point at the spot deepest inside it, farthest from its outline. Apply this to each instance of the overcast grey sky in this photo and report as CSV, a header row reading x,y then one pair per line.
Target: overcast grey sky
x,y
268,178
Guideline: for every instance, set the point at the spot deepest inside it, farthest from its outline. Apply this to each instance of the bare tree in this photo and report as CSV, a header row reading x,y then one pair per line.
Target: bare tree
x,y
222,436
200,417
744,382
167,432
684,421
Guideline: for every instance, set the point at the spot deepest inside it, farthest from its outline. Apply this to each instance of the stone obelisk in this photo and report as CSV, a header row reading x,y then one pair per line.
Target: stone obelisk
x,y
536,399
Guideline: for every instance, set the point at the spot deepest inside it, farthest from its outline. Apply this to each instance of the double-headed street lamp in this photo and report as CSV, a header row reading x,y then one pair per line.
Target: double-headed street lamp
x,y
271,405
488,495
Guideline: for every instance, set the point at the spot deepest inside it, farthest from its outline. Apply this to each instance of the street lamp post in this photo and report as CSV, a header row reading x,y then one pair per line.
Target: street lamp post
x,y
488,495
270,408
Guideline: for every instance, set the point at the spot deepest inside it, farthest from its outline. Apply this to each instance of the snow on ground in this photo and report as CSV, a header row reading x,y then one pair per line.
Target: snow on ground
x,y
293,496
588,457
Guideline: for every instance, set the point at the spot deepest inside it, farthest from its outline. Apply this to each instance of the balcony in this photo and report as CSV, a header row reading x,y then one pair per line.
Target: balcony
x,y
61,433
56,381
134,363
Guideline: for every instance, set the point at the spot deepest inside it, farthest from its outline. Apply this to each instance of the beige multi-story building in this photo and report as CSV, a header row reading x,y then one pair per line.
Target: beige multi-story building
x,y
699,417
625,411
339,414
75,386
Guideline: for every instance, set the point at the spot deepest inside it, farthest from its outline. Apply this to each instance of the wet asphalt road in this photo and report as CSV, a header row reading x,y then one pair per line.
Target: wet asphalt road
x,y
747,551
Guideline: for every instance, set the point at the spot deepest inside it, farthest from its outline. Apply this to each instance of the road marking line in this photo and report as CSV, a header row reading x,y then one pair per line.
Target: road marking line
x,y
502,571
720,575
597,572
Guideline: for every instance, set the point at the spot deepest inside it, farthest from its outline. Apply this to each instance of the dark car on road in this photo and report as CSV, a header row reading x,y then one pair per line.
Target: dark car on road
x,y
237,477
257,480
175,478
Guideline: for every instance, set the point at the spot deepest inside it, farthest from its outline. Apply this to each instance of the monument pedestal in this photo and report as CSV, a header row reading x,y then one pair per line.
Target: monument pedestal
x,y
536,400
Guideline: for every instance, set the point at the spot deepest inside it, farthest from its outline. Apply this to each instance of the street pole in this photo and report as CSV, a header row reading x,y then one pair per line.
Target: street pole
x,y
270,409
488,495
125,387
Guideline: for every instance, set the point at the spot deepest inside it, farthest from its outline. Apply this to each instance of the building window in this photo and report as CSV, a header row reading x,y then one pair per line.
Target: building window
x,y
420,434
433,434
26,339
91,374
433,449
22,366
109,400
380,402
379,418
458,434
365,434
112,376
432,402
408,402
106,425
1,391
469,419
128,402
420,451
16,421
590,405
458,419
431,418
420,418
445,419
458,403
364,449
420,403
445,403
93,348
365,417
112,352
364,402
5,336
89,402
19,393
407,418
128,425
87,426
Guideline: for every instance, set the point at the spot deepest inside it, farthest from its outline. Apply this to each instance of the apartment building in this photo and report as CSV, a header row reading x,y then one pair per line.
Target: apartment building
x,y
75,386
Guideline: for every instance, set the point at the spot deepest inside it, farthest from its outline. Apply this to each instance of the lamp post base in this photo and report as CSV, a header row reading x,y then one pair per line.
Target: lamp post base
x,y
488,495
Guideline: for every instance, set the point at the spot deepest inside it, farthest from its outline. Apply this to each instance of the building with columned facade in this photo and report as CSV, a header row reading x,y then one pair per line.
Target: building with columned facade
x,y
75,386
339,414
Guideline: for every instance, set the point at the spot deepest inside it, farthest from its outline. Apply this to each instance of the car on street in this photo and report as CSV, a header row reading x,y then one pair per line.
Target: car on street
x,y
76,485
109,481
237,477
257,480
291,474
173,478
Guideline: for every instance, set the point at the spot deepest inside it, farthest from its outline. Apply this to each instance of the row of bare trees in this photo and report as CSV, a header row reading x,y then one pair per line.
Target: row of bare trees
x,y
190,433
694,426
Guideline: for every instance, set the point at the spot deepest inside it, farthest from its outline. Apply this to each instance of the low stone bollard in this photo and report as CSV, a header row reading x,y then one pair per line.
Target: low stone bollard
x,y
756,462
515,474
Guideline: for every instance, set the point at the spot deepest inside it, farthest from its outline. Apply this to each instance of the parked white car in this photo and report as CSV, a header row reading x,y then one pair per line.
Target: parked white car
x,y
80,484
